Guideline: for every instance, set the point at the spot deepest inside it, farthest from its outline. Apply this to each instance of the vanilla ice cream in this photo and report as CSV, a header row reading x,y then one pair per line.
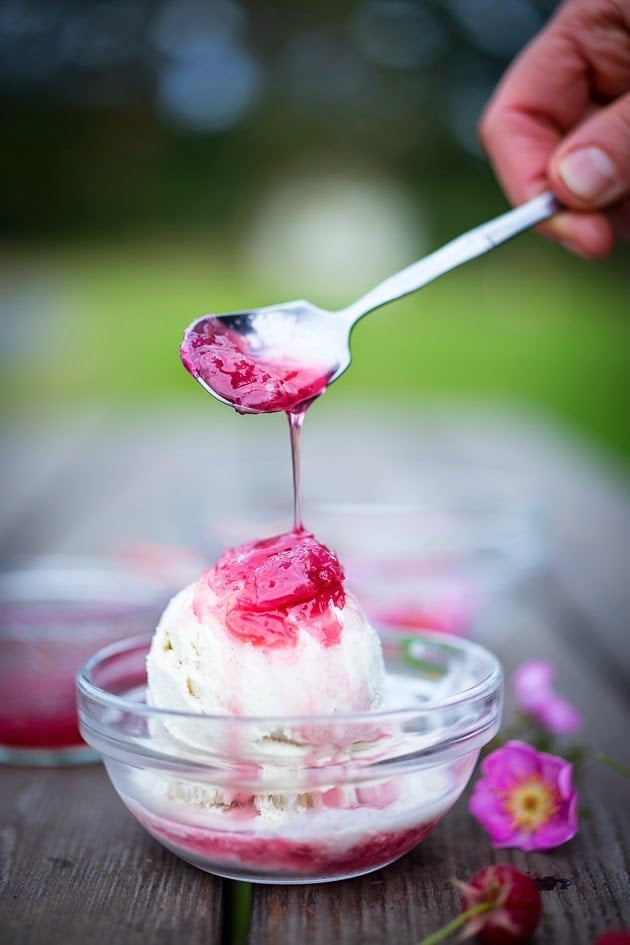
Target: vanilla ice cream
x,y
268,631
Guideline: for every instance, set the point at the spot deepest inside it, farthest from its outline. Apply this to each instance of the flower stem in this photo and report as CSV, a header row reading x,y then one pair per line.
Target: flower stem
x,y
457,922
613,763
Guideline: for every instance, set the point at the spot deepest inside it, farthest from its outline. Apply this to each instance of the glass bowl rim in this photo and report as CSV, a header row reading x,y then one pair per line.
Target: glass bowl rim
x,y
491,683
19,572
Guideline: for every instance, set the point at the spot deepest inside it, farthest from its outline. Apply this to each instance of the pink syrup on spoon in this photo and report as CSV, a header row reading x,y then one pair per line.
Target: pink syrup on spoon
x,y
219,357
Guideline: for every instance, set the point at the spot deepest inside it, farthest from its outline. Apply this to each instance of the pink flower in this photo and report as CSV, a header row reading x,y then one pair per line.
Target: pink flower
x,y
525,798
532,685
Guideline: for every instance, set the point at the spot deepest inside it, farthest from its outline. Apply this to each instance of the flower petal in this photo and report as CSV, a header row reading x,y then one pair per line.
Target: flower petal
x,y
488,810
530,679
558,715
514,762
506,772
532,685
561,828
550,767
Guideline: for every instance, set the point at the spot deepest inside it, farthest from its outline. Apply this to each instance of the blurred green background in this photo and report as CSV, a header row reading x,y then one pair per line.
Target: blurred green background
x,y
165,158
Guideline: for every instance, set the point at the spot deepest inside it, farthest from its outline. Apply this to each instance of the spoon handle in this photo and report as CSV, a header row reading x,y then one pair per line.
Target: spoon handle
x,y
460,250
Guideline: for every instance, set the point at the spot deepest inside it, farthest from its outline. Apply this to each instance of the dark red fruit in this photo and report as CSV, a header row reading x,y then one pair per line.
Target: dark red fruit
x,y
515,905
613,937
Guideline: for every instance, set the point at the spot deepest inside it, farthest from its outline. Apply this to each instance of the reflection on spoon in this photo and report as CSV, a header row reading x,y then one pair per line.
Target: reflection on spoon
x,y
280,358
237,360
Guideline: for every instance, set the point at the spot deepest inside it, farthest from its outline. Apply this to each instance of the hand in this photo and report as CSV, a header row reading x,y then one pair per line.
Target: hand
x,y
560,119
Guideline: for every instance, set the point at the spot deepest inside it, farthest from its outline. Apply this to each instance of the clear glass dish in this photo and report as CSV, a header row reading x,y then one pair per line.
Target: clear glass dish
x,y
297,800
439,558
54,613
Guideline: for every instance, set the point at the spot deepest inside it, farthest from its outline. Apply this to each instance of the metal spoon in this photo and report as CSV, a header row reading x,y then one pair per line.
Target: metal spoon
x,y
281,357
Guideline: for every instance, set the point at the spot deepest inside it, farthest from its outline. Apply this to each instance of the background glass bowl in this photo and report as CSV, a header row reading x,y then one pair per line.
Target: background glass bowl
x,y
54,613
438,558
297,800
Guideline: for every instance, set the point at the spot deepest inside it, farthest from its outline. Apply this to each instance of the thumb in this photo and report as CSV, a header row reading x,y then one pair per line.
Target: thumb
x,y
591,168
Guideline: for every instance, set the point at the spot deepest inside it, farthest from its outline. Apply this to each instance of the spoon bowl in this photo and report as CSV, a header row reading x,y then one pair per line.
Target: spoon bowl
x,y
281,357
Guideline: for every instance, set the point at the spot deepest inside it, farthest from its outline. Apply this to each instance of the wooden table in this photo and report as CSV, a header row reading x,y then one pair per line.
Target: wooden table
x,y
75,867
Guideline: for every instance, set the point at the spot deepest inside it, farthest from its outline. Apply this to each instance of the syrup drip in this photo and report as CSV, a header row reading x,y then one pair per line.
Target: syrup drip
x,y
295,428
264,591
219,357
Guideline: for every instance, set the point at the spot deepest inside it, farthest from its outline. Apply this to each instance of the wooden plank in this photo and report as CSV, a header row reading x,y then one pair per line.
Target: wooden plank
x,y
168,476
75,867
584,497
415,896
159,478
541,623
173,480
35,459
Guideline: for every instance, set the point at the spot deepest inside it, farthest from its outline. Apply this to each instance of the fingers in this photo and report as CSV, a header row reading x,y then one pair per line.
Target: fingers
x,y
586,234
544,94
591,168
589,171
519,129
560,118
519,145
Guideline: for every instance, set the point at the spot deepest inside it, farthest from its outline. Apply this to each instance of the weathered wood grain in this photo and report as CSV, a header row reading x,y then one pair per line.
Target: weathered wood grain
x,y
76,868
414,896
405,901
34,463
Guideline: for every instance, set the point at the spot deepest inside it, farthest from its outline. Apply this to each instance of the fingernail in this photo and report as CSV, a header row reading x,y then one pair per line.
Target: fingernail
x,y
589,174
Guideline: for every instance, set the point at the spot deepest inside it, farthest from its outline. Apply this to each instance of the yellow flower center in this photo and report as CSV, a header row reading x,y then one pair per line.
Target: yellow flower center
x,y
531,804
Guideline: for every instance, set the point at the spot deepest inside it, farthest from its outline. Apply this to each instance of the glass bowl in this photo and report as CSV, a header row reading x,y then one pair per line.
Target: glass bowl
x,y
55,612
432,565
297,800
438,559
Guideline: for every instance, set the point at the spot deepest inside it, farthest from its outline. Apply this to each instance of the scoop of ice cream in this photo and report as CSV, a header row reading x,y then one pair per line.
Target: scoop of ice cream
x,y
268,631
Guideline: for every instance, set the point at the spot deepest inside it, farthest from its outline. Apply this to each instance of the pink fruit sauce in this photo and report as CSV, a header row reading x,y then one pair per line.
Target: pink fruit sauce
x,y
308,858
256,587
43,645
220,358
37,709
38,705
